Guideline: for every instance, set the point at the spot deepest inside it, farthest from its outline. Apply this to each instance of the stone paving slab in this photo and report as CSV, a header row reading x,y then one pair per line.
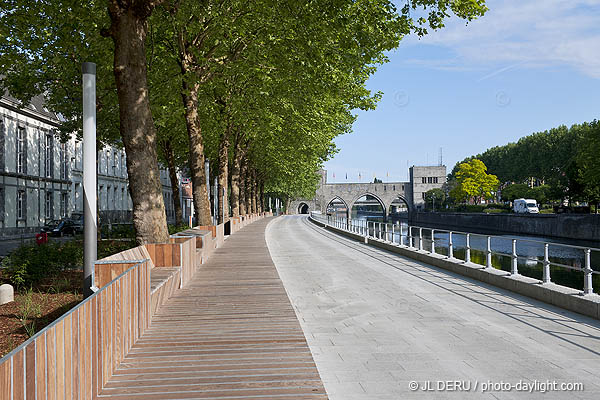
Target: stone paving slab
x,y
376,321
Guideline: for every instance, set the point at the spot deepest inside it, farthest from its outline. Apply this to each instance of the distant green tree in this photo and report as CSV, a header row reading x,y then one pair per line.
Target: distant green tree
x,y
473,182
589,163
515,191
375,180
434,199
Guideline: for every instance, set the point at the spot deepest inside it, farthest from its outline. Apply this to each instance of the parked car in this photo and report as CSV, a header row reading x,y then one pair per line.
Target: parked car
x,y
528,206
60,227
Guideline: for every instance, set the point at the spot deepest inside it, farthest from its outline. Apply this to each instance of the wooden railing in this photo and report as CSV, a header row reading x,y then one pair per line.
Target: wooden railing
x,y
73,357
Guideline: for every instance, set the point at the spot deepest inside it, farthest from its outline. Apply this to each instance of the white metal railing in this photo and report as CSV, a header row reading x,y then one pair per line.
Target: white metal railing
x,y
415,239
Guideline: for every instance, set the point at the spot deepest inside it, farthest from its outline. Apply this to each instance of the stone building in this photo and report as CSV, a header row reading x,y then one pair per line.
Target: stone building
x,y
41,176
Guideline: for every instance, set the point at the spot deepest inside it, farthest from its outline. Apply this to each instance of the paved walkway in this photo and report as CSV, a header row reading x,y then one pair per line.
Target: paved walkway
x,y
376,321
231,334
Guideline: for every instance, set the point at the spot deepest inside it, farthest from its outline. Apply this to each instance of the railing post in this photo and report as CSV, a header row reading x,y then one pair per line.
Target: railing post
x,y
546,277
400,237
410,236
420,238
450,246
514,269
366,231
468,248
587,277
433,241
393,234
488,262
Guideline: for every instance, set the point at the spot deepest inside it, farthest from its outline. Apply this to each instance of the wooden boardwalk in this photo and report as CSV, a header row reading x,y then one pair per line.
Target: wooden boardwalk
x,y
230,334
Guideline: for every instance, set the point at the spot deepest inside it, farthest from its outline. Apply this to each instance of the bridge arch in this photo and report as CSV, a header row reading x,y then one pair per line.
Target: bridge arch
x,y
303,208
373,196
399,207
337,206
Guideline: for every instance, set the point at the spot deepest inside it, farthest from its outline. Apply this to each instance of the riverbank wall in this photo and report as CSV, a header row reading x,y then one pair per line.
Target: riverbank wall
x,y
585,228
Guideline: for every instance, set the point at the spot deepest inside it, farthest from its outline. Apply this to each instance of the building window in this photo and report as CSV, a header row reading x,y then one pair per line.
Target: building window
x,y
384,188
435,180
21,205
48,155
78,197
122,164
21,143
64,165
115,202
64,202
2,139
423,195
49,205
1,204
394,187
101,197
423,180
123,199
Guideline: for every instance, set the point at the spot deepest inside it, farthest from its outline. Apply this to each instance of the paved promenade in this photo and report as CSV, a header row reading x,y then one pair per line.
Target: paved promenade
x,y
230,334
375,321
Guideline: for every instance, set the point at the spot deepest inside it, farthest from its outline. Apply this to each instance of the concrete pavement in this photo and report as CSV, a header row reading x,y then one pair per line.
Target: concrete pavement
x,y
375,322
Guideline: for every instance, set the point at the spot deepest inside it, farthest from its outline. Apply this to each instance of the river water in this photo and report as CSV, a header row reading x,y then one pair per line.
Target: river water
x,y
530,251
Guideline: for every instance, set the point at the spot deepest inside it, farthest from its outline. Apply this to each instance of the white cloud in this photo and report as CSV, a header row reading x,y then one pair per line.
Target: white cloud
x,y
524,33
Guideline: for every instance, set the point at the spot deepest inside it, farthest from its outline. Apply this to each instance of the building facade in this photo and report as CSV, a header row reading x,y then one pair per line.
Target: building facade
x,y
41,177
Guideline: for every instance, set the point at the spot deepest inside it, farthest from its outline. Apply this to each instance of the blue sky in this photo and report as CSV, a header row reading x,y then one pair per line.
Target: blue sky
x,y
526,66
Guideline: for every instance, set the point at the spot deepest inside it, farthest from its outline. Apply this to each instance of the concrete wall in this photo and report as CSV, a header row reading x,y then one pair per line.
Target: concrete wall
x,y
563,226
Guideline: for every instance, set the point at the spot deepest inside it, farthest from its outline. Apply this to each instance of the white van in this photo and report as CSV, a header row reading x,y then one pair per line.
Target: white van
x,y
528,206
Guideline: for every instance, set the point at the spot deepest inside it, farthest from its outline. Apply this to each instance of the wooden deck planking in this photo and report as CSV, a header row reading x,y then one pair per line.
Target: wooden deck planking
x,y
230,333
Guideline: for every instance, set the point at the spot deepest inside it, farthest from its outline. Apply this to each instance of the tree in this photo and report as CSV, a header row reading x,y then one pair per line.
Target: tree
x,y
42,47
434,198
589,162
473,182
515,191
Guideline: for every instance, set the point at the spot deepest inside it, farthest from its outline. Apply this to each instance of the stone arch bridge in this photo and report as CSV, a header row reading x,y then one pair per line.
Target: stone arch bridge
x,y
410,193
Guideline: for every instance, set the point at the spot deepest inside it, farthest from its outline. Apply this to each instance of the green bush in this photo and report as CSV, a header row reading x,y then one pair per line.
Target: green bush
x,y
117,231
28,264
470,207
177,228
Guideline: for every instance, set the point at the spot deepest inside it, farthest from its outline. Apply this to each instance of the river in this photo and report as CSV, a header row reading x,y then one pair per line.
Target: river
x,y
530,250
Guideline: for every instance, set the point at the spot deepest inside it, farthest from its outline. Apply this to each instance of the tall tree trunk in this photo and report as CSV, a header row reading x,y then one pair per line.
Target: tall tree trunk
x,y
235,180
254,192
243,191
261,196
128,31
248,190
223,175
201,202
170,157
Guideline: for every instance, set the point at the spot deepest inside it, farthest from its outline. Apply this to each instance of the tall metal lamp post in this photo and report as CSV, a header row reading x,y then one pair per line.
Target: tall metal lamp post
x,y
90,228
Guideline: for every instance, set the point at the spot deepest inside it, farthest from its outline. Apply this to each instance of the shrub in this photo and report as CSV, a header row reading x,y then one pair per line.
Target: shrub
x,y
177,228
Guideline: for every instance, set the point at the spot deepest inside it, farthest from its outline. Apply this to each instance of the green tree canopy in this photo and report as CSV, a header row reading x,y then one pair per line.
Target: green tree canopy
x,y
473,182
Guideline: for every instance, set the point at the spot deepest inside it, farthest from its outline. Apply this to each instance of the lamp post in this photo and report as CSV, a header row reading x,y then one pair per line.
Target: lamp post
x,y
89,176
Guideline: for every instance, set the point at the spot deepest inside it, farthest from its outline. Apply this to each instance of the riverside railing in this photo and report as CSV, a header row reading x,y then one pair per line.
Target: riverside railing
x,y
424,239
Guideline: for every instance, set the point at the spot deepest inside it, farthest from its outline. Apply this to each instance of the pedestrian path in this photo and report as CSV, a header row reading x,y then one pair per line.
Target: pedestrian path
x,y
378,324
230,334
